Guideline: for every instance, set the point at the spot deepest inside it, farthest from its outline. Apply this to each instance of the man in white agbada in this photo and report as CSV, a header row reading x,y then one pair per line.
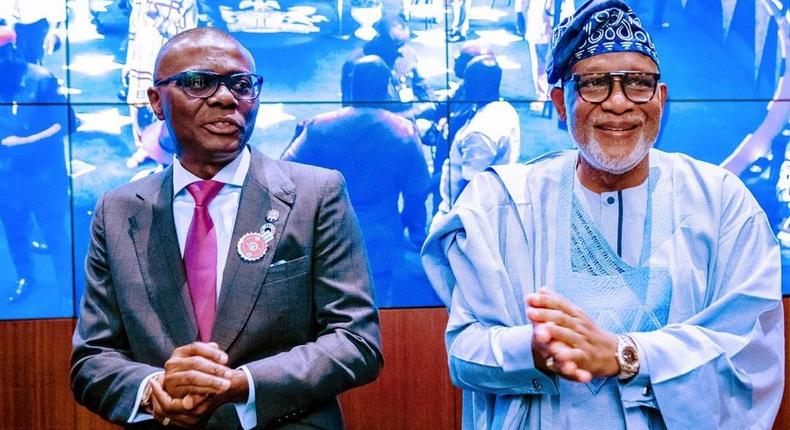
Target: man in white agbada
x,y
617,286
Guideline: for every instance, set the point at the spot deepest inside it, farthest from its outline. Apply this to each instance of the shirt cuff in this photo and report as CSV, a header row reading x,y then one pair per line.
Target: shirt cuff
x,y
514,353
513,347
246,411
142,416
638,391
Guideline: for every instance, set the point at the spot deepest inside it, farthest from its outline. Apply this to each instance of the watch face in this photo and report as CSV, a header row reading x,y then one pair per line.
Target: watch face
x,y
629,355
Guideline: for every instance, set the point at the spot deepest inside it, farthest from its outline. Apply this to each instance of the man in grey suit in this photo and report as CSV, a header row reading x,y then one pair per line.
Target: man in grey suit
x,y
269,316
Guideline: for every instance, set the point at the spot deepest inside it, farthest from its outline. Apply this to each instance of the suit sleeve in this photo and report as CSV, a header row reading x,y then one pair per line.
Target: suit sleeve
x,y
346,352
104,378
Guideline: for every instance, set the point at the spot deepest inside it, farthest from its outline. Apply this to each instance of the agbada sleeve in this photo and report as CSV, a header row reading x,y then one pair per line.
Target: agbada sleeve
x,y
488,336
724,366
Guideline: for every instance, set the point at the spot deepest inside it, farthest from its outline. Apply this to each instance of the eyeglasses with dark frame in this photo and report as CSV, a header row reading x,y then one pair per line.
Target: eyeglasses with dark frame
x,y
638,87
202,84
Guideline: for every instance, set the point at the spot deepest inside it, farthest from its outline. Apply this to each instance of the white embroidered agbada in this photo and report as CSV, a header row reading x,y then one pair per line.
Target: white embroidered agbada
x,y
701,297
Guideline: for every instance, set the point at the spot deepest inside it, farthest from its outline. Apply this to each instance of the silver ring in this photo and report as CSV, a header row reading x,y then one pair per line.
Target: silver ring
x,y
166,421
550,364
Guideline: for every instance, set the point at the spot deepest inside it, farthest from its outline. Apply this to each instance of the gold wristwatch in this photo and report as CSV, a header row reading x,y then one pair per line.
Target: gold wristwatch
x,y
627,356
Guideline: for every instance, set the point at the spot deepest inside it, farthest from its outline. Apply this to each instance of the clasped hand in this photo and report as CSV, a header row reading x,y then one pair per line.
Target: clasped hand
x,y
569,340
196,381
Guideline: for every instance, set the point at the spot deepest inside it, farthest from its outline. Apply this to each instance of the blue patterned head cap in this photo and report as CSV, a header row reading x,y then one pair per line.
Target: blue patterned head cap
x,y
597,27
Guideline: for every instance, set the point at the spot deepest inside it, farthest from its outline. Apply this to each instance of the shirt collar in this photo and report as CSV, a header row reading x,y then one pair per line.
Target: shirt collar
x,y
577,184
232,174
636,194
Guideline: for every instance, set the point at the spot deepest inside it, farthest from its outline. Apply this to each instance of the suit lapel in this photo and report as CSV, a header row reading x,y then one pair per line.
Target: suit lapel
x,y
266,187
153,232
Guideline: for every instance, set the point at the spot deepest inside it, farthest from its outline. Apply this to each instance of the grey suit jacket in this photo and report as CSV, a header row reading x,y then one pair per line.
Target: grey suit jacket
x,y
301,318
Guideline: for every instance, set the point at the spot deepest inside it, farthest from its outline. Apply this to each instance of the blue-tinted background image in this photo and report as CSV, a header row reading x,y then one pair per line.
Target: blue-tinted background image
x,y
64,144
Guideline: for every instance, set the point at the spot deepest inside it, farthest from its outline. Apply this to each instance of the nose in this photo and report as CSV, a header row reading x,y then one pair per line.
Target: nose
x,y
617,102
222,97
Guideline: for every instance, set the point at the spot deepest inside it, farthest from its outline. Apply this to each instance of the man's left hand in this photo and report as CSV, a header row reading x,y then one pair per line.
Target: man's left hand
x,y
579,349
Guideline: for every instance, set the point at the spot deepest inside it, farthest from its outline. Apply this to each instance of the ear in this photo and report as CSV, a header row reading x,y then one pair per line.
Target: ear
x,y
156,102
558,98
663,93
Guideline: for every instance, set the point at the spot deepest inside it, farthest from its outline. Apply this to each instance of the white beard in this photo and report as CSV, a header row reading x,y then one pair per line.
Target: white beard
x,y
596,157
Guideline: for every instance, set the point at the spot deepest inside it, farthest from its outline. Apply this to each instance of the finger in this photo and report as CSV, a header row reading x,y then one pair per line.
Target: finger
x,y
208,350
544,315
165,404
160,406
563,334
566,367
562,351
546,298
582,375
208,382
197,362
187,402
179,391
190,401
569,369
161,399
571,362
577,375
538,297
181,416
184,390
541,333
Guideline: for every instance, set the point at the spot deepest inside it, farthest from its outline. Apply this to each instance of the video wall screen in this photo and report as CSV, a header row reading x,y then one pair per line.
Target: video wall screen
x,y
723,60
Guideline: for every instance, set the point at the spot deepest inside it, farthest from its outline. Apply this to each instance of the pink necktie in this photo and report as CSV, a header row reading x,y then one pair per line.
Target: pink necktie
x,y
200,257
